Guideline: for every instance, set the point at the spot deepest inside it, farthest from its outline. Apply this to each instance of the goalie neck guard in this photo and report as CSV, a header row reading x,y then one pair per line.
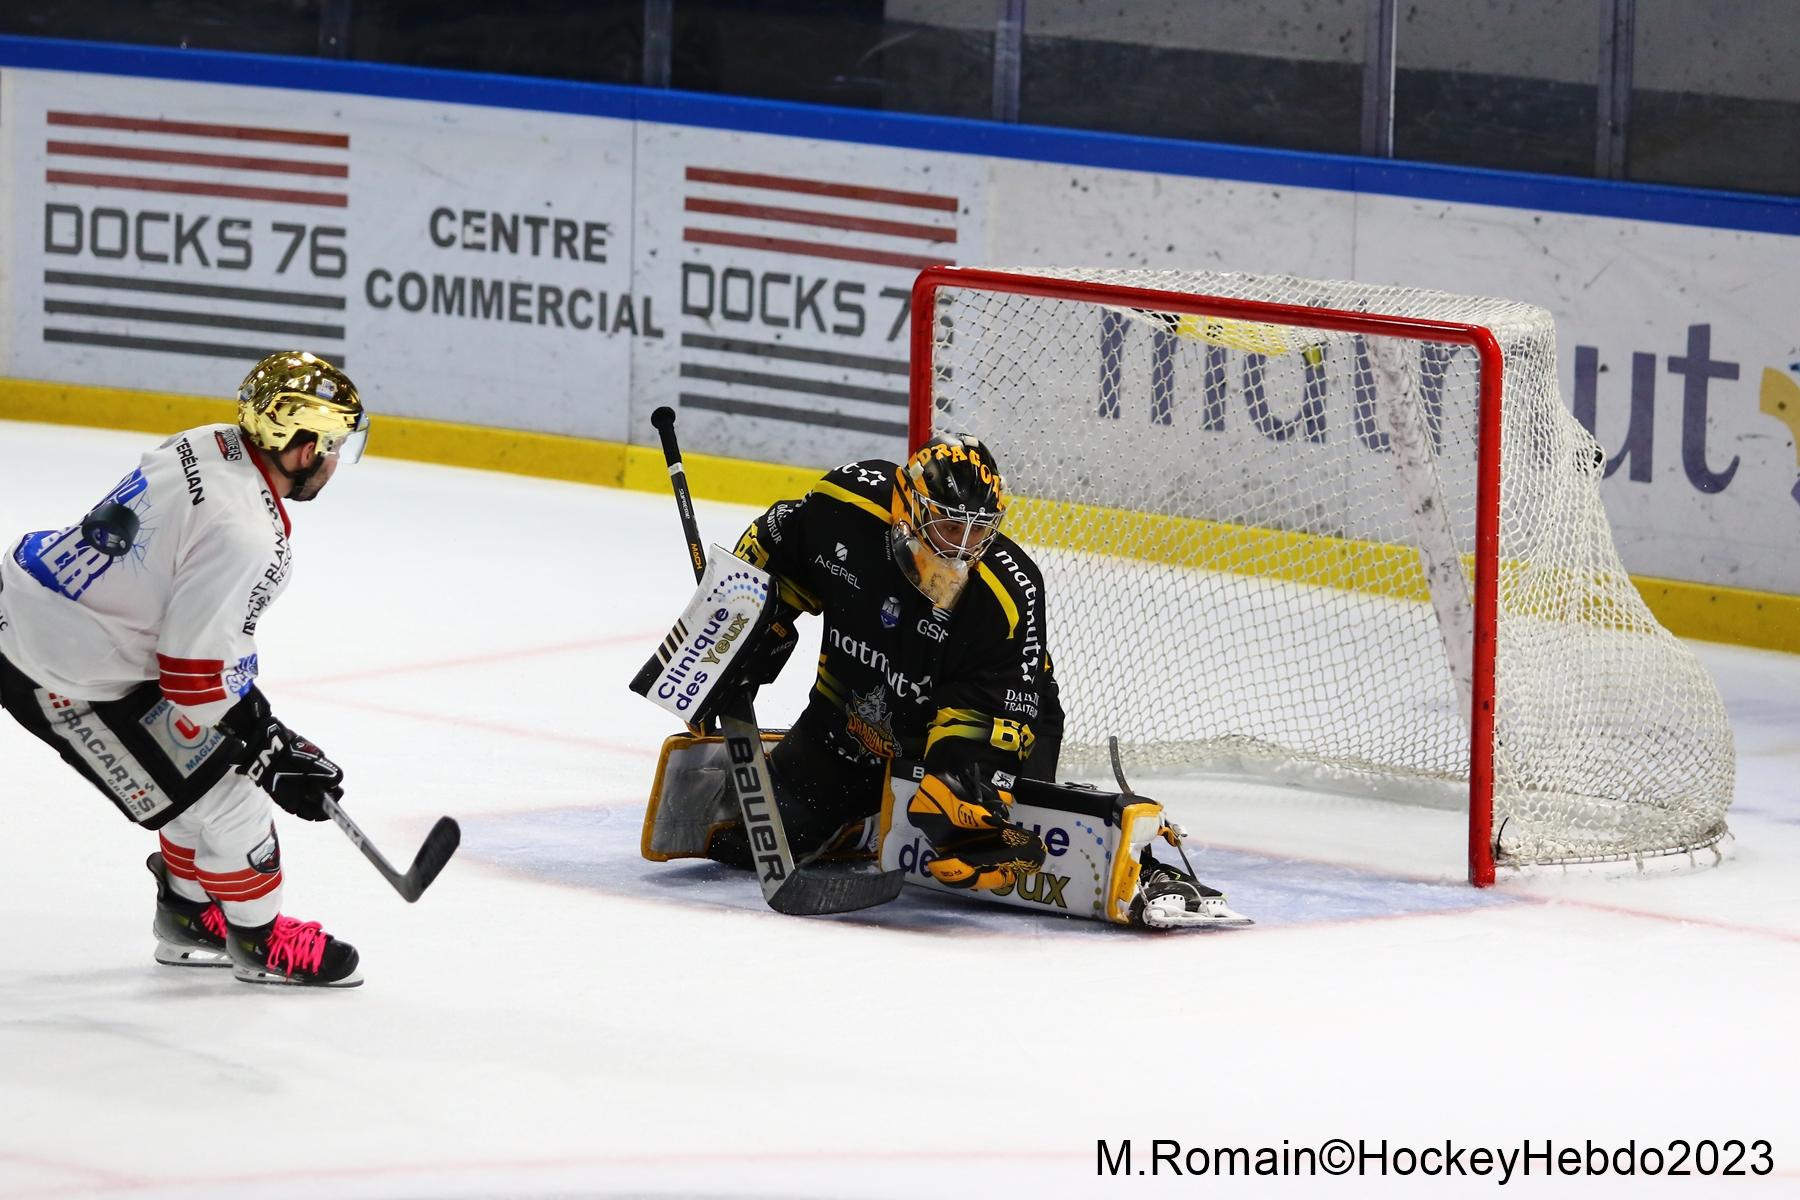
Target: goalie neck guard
x,y
948,503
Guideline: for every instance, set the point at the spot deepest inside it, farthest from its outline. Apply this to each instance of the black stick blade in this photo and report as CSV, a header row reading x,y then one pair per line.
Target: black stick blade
x,y
439,845
820,891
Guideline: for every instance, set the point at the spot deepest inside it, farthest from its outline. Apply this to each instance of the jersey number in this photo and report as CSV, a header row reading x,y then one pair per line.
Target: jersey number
x,y
1013,737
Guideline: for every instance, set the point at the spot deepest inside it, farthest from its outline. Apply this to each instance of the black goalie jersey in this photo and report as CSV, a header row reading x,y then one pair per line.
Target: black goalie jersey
x,y
897,677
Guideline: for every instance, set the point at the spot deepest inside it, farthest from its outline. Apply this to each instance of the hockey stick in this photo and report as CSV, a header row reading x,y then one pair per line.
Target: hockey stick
x,y
1112,750
433,853
787,887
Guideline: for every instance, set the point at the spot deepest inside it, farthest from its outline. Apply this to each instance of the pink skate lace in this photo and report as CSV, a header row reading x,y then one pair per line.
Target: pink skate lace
x,y
212,919
296,946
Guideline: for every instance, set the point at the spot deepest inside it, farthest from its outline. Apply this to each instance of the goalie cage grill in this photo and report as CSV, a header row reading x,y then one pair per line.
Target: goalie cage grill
x,y
1329,530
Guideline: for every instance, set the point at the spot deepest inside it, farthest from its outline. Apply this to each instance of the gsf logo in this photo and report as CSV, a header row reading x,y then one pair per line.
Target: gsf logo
x,y
931,630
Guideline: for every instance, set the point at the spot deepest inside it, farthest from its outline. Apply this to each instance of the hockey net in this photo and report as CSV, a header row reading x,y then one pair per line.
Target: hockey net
x,y
1329,531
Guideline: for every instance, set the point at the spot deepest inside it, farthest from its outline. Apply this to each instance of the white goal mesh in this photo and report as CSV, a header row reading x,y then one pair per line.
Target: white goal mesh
x,y
1260,539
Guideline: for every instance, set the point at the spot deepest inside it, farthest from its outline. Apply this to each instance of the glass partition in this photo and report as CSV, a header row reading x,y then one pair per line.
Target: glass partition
x,y
597,41
1281,73
1705,91
251,26
905,56
1512,86
1715,98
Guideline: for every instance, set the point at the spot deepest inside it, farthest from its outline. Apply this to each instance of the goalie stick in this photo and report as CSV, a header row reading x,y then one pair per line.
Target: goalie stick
x,y
433,853
795,889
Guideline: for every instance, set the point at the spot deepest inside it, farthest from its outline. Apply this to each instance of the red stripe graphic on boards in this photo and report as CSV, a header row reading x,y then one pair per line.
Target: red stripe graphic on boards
x,y
800,216
247,133
183,187
230,162
816,187
713,237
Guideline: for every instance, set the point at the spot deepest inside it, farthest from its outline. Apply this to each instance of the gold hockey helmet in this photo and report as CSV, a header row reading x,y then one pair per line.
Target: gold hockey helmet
x,y
948,502
293,392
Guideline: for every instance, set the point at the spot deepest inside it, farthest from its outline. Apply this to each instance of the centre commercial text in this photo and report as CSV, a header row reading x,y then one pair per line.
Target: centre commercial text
x,y
517,301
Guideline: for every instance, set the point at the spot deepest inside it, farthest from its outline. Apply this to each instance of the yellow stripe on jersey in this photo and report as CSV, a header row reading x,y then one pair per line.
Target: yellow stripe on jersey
x,y
793,594
828,687
958,723
826,488
1006,601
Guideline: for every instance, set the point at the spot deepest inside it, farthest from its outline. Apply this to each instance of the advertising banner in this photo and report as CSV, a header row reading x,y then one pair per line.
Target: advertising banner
x,y
567,273
788,266
464,264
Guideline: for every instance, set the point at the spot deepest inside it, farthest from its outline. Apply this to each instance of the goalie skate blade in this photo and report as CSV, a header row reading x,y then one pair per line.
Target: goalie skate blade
x,y
821,891
1214,916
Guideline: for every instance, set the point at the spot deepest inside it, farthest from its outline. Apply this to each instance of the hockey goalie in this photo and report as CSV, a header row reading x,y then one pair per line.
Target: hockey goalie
x,y
930,738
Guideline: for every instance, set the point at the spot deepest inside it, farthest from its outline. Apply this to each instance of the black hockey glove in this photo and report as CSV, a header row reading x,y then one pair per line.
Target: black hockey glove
x,y
774,646
968,821
294,772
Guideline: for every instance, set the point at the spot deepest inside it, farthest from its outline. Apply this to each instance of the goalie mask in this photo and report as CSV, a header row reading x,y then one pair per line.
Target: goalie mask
x,y
948,501
293,392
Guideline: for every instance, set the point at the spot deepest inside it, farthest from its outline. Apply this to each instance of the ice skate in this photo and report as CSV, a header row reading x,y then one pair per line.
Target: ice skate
x,y
1170,898
294,954
189,933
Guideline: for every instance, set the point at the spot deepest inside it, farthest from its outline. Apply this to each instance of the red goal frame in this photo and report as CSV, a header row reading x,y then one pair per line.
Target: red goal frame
x,y
933,280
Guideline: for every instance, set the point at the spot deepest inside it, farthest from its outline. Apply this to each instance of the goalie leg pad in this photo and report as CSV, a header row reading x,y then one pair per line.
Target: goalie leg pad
x,y
689,803
825,800
1096,853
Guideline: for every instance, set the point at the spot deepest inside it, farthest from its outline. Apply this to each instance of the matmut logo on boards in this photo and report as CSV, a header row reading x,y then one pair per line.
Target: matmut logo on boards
x,y
191,237
797,309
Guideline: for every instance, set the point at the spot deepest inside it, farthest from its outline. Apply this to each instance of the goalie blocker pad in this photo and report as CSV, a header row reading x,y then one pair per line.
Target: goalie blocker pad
x,y
694,671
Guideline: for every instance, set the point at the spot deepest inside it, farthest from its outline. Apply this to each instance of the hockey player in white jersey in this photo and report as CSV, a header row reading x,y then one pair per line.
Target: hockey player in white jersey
x,y
128,644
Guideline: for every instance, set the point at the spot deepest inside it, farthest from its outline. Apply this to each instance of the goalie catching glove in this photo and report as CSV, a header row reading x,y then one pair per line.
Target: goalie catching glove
x,y
293,771
969,824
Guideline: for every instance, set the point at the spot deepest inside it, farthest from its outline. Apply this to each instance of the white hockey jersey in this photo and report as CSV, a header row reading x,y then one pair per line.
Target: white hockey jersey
x,y
178,605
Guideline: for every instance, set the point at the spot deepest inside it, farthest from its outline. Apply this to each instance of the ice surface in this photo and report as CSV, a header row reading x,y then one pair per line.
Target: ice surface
x,y
557,1017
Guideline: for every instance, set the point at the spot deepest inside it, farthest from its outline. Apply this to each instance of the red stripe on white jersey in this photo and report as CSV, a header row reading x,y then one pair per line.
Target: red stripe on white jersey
x,y
188,696
253,889
189,666
230,878
178,859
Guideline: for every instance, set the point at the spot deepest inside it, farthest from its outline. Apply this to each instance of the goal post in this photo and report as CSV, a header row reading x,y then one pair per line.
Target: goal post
x,y
1329,532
